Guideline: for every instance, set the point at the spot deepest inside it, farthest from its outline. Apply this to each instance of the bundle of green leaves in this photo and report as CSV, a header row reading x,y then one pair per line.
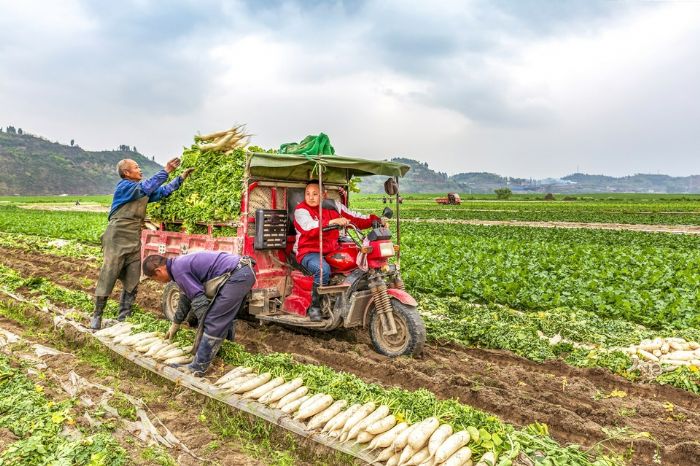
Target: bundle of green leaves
x,y
212,193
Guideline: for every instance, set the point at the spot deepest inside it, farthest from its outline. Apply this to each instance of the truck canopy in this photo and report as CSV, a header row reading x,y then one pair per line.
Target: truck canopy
x,y
336,169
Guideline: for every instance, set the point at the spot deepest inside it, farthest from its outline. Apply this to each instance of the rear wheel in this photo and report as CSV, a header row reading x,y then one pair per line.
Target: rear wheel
x,y
410,331
169,300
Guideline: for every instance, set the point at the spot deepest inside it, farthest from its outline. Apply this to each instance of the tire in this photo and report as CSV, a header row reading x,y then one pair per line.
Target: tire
x,y
169,300
410,336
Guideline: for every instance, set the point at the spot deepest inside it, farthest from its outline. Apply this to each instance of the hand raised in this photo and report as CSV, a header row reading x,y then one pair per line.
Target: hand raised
x,y
172,164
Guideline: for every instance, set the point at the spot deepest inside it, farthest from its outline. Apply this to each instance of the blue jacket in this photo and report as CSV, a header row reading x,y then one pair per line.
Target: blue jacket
x,y
128,190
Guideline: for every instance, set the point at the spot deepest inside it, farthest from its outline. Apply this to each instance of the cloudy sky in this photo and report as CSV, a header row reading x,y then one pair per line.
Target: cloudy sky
x,y
530,88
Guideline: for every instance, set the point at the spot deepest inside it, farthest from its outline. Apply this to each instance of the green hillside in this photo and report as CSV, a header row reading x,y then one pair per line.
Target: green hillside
x,y
35,166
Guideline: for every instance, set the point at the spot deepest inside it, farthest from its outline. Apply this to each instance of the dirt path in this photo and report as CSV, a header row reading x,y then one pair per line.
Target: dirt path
x,y
680,229
574,403
66,207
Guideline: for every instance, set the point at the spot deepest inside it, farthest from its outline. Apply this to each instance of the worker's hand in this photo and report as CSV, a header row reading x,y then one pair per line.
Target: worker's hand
x,y
170,335
172,164
186,173
342,221
385,222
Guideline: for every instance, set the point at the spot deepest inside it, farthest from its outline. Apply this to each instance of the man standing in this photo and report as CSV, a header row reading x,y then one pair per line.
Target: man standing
x,y
121,242
213,286
306,247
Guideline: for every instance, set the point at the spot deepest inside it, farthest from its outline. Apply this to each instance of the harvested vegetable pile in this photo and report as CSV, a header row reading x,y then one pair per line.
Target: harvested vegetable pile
x,y
213,192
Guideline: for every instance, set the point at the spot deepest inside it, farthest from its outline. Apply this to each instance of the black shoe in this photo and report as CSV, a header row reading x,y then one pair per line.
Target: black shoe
x,y
314,310
125,303
100,303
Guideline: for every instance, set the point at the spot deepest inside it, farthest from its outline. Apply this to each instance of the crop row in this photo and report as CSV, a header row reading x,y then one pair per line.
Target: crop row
x,y
649,279
408,405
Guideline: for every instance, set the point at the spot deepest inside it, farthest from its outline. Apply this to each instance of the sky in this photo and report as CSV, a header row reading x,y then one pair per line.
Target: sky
x,y
523,88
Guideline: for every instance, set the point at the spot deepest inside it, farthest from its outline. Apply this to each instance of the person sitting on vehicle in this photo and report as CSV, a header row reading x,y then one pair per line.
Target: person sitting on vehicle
x,y
213,286
306,246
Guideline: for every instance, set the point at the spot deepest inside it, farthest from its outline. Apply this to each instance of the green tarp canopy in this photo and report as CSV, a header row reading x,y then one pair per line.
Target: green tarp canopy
x,y
336,169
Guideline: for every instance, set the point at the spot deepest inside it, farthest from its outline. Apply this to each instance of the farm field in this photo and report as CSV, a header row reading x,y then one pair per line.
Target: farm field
x,y
527,327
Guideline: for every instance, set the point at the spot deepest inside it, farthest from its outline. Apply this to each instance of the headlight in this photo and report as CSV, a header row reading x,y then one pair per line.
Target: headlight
x,y
386,249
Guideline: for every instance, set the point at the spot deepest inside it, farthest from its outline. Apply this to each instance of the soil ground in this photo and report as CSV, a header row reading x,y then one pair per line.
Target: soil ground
x,y
177,408
650,419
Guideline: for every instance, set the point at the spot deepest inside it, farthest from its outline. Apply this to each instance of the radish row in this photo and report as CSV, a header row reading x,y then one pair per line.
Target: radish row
x,y
425,443
675,352
395,443
151,344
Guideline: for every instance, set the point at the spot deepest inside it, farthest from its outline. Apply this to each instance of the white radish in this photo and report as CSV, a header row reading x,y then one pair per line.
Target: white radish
x,y
402,439
295,395
234,383
364,411
138,337
263,389
155,348
682,355
376,415
385,455
173,353
387,438
281,391
232,374
418,457
393,460
165,349
316,407
312,399
438,438
292,406
453,443
178,360
253,383
382,425
418,438
459,458
406,454
322,418
340,419
647,355
364,437
144,346
489,459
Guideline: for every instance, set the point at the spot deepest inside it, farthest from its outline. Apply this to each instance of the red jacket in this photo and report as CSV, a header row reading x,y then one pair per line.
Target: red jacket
x,y
307,225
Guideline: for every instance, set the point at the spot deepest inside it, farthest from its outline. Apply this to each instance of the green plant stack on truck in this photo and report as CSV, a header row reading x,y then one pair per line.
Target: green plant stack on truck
x,y
243,202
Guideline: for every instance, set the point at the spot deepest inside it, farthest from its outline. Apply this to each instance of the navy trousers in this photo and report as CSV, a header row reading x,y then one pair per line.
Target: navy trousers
x,y
228,302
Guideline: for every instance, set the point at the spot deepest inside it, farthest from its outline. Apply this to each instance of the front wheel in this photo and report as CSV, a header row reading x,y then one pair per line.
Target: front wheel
x,y
410,331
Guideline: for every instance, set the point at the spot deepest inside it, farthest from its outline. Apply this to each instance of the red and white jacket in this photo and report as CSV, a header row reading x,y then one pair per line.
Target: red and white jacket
x,y
307,225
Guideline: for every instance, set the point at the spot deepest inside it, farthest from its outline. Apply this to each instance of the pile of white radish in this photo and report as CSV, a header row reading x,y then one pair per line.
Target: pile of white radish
x,y
675,352
425,443
151,344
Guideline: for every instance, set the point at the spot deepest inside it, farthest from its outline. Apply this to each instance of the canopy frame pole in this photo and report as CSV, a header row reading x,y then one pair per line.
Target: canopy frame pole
x,y
398,226
320,227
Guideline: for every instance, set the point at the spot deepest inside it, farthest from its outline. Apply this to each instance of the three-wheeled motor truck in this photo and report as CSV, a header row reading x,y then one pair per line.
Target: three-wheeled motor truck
x,y
366,289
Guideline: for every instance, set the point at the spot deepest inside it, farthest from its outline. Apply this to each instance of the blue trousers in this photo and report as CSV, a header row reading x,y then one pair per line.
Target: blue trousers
x,y
311,263
228,302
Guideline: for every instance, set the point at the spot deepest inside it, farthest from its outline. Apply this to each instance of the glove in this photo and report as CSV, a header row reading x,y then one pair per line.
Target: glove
x,y
170,335
199,305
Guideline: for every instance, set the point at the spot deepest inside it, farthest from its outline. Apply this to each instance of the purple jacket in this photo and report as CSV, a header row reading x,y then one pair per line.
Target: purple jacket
x,y
192,271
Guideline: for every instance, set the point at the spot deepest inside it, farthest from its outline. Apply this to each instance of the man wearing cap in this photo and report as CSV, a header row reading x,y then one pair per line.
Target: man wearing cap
x,y
121,241
213,286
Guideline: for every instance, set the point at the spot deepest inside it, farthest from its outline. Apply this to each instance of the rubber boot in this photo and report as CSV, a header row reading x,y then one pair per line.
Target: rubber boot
x,y
207,349
314,310
231,333
125,303
100,303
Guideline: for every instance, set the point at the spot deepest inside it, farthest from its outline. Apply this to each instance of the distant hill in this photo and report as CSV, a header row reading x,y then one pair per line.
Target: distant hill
x,y
32,165
422,179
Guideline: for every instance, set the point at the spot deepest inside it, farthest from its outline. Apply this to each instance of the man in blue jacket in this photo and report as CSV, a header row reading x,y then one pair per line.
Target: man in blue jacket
x,y
121,241
213,285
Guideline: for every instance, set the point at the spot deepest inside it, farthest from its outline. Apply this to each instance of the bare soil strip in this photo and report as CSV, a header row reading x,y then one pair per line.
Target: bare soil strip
x,y
679,229
574,403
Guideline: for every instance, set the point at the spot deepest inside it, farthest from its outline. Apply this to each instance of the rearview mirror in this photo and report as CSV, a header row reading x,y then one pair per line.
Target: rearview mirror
x,y
387,212
391,187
